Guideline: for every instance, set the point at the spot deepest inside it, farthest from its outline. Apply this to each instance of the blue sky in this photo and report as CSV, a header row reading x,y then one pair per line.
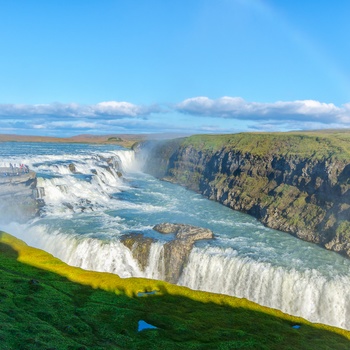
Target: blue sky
x,y
187,66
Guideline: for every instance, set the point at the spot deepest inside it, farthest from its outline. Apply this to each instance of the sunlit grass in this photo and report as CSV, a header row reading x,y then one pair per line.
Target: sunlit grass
x,y
312,145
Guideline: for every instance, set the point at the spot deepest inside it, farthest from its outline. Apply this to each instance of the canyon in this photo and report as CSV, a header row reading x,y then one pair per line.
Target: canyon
x,y
298,183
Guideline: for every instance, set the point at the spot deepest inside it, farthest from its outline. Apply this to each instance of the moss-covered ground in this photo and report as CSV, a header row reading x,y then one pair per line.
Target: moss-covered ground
x,y
46,304
312,145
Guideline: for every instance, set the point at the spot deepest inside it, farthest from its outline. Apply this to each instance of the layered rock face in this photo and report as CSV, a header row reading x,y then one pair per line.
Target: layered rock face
x,y
18,197
175,253
289,187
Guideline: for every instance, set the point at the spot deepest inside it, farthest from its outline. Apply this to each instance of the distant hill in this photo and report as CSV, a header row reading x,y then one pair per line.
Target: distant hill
x,y
123,140
126,140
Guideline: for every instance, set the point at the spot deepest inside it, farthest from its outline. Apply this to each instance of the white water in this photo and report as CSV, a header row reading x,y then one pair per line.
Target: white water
x,y
307,293
245,260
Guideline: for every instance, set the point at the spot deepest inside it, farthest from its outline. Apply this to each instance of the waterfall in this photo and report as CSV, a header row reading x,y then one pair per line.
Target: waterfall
x,y
155,268
93,197
128,161
82,183
308,293
87,253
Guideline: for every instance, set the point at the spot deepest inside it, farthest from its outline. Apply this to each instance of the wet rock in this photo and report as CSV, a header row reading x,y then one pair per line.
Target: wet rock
x,y
72,168
183,231
140,246
68,205
177,251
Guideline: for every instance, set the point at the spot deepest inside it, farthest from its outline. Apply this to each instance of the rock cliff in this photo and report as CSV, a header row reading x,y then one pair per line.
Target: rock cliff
x,y
297,183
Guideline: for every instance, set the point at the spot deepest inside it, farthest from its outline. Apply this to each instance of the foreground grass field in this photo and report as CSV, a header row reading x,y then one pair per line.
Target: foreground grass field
x,y
46,304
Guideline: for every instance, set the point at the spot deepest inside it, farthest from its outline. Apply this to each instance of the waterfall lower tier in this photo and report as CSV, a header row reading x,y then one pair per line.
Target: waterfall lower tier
x,y
301,293
307,293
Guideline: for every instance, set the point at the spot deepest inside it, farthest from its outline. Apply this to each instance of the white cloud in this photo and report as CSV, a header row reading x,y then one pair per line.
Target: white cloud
x,y
222,115
39,126
109,109
238,108
119,108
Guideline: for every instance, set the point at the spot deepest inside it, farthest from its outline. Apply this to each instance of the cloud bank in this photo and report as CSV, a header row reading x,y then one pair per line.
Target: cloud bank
x,y
193,115
112,109
238,108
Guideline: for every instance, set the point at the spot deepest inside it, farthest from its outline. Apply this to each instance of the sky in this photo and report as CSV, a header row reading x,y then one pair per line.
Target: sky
x,y
184,66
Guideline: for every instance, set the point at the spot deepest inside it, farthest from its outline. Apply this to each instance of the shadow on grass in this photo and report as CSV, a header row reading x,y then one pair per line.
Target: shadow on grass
x,y
43,310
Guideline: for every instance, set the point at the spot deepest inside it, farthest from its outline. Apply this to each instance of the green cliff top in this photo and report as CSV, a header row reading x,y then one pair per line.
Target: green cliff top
x,y
312,145
47,304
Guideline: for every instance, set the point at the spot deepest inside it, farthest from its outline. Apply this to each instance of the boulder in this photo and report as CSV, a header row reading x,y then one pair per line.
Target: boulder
x,y
175,252
140,246
72,168
183,231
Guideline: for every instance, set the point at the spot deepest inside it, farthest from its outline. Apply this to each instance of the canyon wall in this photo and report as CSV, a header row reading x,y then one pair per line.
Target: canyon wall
x,y
297,183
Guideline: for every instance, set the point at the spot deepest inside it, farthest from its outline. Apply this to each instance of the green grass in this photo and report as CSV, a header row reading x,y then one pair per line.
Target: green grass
x,y
343,230
46,304
313,145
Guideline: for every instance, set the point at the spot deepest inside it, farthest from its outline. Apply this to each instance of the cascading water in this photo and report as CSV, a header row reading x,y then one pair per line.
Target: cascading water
x,y
307,293
89,206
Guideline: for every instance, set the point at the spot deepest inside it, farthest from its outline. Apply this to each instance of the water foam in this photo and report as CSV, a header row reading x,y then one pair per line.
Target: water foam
x,y
308,293
89,186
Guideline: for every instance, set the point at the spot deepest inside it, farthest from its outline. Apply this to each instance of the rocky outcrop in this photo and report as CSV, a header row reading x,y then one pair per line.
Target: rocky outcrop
x,y
175,252
303,193
186,233
140,247
18,197
72,168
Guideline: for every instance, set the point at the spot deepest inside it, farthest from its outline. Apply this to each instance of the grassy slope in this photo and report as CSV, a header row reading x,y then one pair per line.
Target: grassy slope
x,y
313,144
46,304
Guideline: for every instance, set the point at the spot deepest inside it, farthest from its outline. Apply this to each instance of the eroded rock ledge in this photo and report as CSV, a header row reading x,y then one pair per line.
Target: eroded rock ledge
x,y
175,252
